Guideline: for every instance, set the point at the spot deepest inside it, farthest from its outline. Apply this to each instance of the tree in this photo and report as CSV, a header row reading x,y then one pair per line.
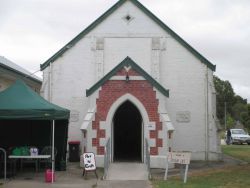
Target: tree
x,y
230,121
247,125
244,117
247,122
239,99
225,94
238,108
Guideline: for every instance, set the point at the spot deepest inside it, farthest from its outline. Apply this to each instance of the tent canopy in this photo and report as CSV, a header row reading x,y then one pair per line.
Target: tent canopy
x,y
20,102
20,109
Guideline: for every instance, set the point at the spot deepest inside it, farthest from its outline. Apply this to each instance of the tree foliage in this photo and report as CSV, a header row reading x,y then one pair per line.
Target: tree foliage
x,y
237,108
230,121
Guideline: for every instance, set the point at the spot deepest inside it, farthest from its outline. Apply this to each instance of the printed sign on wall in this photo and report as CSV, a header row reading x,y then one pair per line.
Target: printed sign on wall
x,y
89,161
183,116
74,116
151,126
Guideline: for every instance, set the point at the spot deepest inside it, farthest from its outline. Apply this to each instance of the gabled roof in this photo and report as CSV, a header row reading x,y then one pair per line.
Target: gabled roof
x,y
9,65
110,11
128,62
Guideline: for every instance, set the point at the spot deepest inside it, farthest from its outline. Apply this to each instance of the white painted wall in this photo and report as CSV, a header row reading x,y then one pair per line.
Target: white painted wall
x,y
117,49
71,75
184,76
116,26
179,71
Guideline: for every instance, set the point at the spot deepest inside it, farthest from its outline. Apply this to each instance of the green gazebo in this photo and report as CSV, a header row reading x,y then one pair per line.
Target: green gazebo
x,y
27,119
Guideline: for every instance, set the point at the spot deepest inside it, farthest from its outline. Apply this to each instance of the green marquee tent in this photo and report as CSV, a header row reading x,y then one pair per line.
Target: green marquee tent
x,y
20,102
26,118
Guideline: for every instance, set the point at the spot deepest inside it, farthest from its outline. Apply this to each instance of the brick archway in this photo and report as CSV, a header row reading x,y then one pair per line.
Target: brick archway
x,y
127,81
111,95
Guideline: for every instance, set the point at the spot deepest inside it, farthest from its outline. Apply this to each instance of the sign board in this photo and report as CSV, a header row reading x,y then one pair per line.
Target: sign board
x,y
183,116
89,161
151,126
74,116
179,157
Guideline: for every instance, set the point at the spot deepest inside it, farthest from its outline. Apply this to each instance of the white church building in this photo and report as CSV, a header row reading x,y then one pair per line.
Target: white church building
x,y
130,79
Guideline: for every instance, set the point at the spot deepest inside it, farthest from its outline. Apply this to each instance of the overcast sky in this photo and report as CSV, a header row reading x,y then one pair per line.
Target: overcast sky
x,y
31,31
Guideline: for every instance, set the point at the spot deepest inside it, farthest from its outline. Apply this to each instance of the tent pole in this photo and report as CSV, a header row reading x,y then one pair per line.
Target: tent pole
x,y
53,148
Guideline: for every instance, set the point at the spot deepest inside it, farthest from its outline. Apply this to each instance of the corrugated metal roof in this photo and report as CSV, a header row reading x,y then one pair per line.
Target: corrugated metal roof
x,y
17,68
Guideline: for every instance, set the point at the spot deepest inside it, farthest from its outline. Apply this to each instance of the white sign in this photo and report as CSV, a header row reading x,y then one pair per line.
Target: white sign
x,y
183,116
179,157
182,158
74,116
151,126
89,161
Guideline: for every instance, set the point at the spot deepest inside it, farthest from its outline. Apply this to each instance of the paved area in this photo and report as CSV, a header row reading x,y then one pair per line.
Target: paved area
x,y
85,184
130,171
73,177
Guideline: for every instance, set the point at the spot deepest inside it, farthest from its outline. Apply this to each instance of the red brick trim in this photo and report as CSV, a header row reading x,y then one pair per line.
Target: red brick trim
x,y
113,90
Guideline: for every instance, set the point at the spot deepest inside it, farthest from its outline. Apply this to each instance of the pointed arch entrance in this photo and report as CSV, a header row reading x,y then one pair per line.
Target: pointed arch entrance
x,y
128,133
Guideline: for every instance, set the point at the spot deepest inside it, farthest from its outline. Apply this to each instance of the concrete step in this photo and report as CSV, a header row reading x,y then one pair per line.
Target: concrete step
x,y
127,171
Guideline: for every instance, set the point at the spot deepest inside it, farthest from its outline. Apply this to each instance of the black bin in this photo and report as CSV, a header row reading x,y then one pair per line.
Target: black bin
x,y
74,151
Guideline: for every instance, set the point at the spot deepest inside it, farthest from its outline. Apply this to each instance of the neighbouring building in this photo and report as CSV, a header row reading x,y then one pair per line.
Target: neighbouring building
x,y
10,72
129,78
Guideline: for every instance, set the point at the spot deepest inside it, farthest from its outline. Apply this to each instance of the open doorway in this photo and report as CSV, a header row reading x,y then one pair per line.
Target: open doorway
x,y
127,129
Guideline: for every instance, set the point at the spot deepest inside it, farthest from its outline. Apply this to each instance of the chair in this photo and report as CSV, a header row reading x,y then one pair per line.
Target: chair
x,y
47,150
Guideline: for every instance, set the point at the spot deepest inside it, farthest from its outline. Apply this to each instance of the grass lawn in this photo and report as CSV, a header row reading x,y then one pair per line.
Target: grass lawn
x,y
228,177
237,151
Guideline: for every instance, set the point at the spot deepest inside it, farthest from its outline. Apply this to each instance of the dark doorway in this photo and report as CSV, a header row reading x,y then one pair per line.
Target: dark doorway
x,y
127,133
